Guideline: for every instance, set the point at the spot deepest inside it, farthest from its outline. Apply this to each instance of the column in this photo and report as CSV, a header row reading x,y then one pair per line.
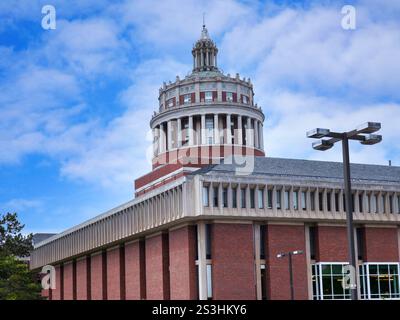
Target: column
x,y
228,129
256,133
203,129
201,243
216,129
248,132
190,130
179,132
261,133
162,138
169,135
239,130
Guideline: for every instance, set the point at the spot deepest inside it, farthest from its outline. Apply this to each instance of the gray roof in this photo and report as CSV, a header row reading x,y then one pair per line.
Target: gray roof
x,y
39,237
311,169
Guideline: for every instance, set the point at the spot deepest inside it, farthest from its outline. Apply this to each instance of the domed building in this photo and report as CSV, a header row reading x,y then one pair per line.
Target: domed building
x,y
202,119
216,219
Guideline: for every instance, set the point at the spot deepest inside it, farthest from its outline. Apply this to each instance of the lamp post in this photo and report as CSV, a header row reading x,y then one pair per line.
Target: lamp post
x,y
364,134
289,255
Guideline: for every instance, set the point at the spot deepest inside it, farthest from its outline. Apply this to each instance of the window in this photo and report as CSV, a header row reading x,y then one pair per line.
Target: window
x,y
243,197
229,96
225,197
360,202
263,230
327,281
278,199
287,199
377,281
296,200
376,206
245,99
170,103
328,201
215,196
209,282
360,243
187,98
208,240
252,199
269,193
208,96
210,130
312,199
304,200
391,204
260,198
206,200
263,282
383,204
321,201
380,281
234,197
337,201
313,241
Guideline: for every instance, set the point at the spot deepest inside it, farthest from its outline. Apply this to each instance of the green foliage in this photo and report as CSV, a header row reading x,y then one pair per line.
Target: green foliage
x,y
17,282
12,241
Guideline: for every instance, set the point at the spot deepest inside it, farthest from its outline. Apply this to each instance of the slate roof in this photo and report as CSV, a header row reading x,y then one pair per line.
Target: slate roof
x,y
310,169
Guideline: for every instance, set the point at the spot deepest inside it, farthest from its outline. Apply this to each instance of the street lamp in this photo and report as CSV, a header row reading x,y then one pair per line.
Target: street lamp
x,y
364,134
290,254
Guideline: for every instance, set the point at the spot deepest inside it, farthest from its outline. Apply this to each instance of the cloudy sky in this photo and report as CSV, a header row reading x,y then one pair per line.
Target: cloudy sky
x,y
75,102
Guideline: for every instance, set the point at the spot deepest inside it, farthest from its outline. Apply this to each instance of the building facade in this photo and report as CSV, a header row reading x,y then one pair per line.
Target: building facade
x,y
213,214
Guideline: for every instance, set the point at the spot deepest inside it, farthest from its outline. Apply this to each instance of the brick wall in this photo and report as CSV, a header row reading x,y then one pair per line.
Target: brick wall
x,y
381,245
57,293
68,281
157,275
233,261
182,252
81,279
285,238
135,280
113,274
331,244
96,276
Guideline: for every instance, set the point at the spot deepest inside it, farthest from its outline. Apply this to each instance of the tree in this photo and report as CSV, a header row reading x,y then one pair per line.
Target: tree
x,y
12,241
16,280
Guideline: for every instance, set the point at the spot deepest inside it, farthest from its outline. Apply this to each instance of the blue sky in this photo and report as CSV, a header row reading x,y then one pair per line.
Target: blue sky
x,y
75,102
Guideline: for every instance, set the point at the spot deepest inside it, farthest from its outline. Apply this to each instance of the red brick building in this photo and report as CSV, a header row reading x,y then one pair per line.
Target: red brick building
x,y
203,228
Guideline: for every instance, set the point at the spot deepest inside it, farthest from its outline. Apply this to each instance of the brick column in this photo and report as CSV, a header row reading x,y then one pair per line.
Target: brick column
x,y
115,287
233,266
381,244
332,244
135,270
284,238
81,279
97,270
157,275
58,291
182,267
68,281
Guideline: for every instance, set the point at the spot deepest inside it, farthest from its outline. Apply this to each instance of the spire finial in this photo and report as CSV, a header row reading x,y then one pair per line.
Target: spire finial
x,y
204,32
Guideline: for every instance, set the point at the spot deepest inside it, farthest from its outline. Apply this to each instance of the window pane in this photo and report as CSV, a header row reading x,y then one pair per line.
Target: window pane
x,y
243,197
252,199
215,196
234,197
225,197
260,198
269,199
209,281
304,200
296,200
278,199
206,202
287,200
